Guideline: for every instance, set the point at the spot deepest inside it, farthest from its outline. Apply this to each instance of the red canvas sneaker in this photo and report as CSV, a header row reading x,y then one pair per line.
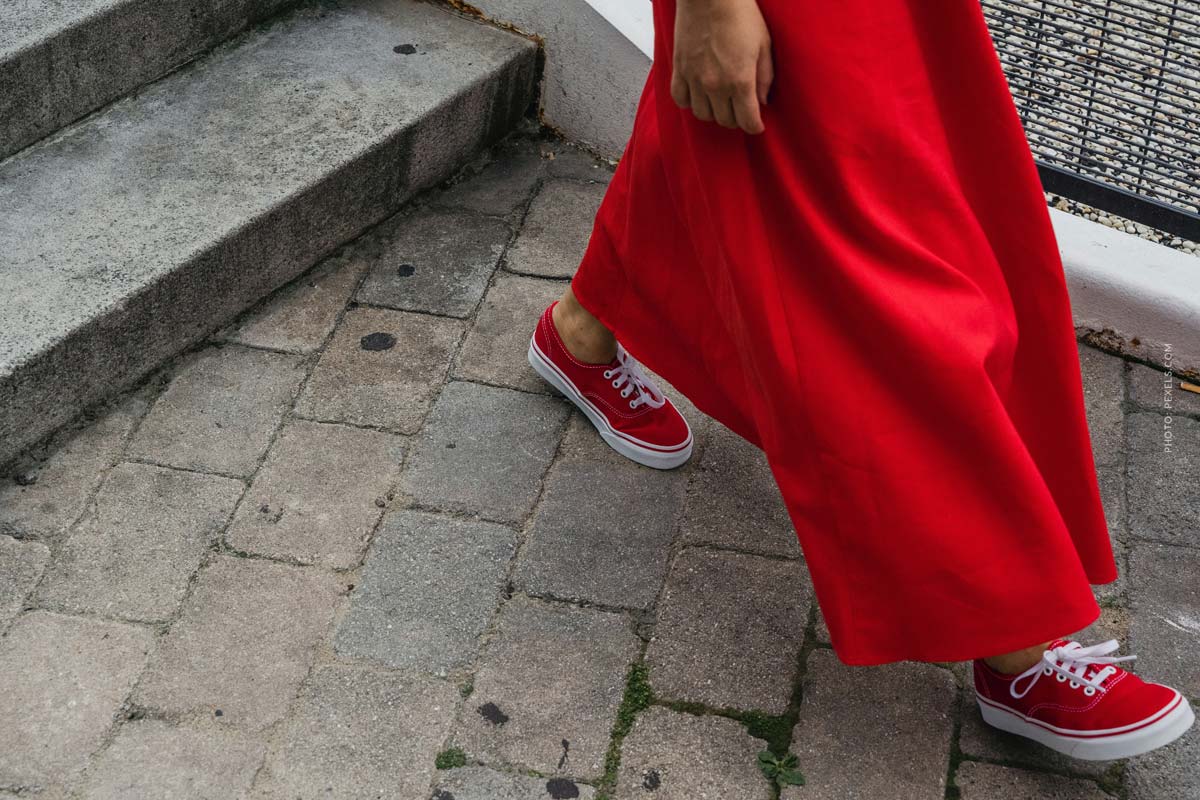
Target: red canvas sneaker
x,y
1077,702
632,415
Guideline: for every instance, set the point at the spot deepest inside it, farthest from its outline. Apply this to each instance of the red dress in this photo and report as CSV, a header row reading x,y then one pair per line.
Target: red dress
x,y
871,292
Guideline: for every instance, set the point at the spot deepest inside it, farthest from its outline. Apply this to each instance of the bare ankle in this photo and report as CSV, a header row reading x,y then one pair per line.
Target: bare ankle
x,y
584,336
1017,661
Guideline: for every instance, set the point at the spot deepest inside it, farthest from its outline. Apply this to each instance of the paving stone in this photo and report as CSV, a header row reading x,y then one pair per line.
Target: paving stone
x,y
220,410
502,186
299,318
381,369
1165,631
546,695
1152,388
243,643
21,565
484,451
672,756
556,230
992,782
315,499
566,160
733,500
603,528
481,783
496,347
427,592
1103,393
729,630
435,260
1170,772
359,733
152,759
873,732
133,553
64,680
979,740
65,472
1164,478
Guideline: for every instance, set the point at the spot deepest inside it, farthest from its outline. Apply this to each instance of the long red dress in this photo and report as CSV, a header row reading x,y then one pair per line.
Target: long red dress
x,y
871,292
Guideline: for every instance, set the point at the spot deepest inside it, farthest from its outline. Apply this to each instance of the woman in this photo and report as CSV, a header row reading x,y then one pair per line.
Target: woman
x,y
828,232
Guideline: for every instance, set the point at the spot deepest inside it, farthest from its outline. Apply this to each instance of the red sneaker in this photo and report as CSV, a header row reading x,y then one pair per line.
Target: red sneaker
x,y
1076,702
632,415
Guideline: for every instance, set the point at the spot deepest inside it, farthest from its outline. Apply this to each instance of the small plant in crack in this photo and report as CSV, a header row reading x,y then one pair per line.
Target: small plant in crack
x,y
450,758
781,769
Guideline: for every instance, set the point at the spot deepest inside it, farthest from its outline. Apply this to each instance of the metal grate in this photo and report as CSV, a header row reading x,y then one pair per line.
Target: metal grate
x,y
1109,93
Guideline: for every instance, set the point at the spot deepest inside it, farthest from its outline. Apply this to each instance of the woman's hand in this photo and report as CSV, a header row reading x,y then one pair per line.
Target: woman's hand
x,y
722,68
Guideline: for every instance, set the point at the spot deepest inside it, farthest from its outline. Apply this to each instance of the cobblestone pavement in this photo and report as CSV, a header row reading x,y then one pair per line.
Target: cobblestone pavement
x,y
353,547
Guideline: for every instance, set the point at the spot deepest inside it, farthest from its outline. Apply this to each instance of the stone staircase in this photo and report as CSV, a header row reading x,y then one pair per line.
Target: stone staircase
x,y
131,234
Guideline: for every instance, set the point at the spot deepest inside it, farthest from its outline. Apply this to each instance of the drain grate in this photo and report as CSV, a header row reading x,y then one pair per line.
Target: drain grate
x,y
1109,93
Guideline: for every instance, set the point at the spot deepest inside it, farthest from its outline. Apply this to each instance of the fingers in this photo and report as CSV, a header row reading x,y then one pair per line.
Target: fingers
x,y
766,73
746,110
702,107
679,90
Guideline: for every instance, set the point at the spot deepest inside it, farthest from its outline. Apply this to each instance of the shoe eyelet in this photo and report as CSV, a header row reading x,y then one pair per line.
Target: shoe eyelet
x,y
1047,671
607,373
633,404
1089,690
1061,678
616,385
1074,684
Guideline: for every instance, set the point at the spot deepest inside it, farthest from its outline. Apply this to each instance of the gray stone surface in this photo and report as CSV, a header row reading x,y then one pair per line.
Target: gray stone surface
x,y
556,230
434,260
733,500
993,782
1152,388
132,555
58,61
220,410
603,527
151,759
1165,632
64,680
729,630
300,317
513,717
484,451
21,565
496,347
266,155
593,73
243,643
568,160
481,783
672,756
359,733
1164,478
315,500
65,472
1170,772
499,187
1104,392
388,380
873,732
427,592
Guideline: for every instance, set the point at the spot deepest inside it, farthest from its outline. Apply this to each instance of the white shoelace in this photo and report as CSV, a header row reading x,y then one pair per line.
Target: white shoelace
x,y
1071,662
629,378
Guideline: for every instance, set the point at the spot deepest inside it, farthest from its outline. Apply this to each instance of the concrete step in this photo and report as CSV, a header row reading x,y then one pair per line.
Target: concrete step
x,y
60,61
135,233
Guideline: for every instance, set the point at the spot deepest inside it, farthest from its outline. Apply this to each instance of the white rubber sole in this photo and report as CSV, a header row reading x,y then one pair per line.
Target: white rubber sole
x,y
1168,727
628,446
